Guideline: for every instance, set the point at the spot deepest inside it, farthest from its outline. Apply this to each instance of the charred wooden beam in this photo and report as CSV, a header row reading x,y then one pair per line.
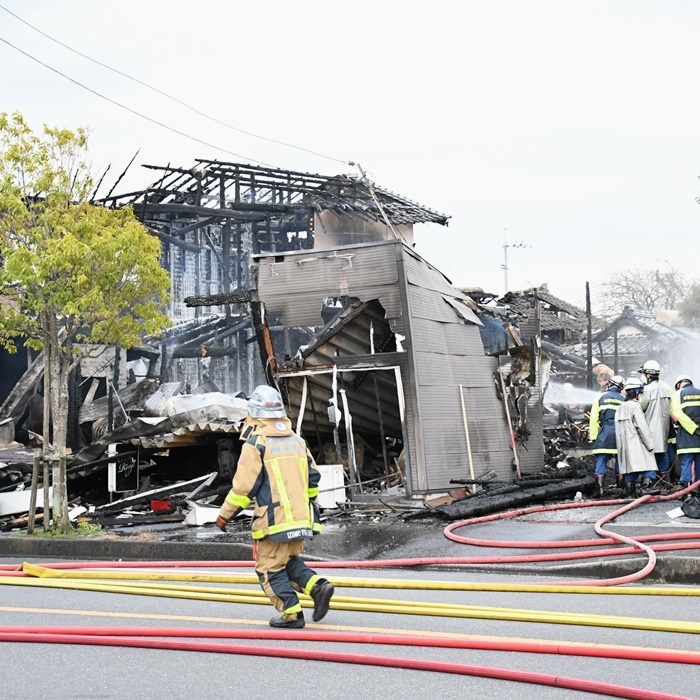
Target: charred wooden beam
x,y
241,210
241,296
262,332
196,225
185,245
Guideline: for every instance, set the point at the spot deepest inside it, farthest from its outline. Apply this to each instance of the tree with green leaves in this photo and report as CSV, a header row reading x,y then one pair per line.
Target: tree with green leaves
x,y
71,272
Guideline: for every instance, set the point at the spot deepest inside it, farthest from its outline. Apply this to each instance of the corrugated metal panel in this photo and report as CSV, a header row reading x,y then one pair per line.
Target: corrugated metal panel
x,y
291,308
435,369
157,404
444,439
446,338
427,304
293,289
422,274
349,268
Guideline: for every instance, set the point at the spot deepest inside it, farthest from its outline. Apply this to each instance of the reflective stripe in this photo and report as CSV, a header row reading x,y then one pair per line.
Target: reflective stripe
x,y
293,610
312,492
284,498
235,499
311,583
685,404
688,451
604,451
282,527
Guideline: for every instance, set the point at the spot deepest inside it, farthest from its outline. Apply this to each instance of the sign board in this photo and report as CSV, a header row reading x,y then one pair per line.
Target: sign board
x,y
123,474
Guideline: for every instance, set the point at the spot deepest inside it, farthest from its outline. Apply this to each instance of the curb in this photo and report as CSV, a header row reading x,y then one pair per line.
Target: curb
x,y
96,549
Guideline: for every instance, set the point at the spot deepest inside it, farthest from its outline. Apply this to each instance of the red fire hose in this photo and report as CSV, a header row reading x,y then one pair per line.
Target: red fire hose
x,y
110,638
607,537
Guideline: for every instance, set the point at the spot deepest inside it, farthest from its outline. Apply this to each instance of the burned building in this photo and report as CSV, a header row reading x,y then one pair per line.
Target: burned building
x,y
311,282
391,356
213,218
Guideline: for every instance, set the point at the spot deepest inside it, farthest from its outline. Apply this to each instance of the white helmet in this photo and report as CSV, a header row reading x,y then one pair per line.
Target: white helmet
x,y
651,367
266,402
616,382
633,386
682,378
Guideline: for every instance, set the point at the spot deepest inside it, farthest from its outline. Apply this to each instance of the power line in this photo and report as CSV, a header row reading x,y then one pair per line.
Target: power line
x,y
171,97
133,111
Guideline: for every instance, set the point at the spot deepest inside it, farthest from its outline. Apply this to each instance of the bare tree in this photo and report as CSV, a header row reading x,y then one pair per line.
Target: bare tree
x,y
646,290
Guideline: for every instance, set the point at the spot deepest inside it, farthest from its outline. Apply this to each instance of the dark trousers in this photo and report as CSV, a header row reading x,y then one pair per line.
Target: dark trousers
x,y
282,573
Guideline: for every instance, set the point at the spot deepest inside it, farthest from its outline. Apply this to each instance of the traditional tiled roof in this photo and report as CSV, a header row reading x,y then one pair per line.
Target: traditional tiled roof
x,y
651,335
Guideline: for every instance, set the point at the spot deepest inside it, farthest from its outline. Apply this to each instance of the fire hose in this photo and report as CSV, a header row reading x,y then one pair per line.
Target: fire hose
x,y
42,576
139,638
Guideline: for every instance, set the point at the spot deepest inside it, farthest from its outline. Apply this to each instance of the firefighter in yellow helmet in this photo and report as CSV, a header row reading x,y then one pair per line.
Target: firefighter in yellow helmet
x,y
277,470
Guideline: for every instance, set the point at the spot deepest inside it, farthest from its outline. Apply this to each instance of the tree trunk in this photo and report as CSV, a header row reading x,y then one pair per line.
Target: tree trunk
x,y
46,443
60,369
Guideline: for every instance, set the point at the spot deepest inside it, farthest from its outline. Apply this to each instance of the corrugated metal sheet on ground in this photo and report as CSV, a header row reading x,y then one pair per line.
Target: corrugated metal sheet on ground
x,y
446,338
157,404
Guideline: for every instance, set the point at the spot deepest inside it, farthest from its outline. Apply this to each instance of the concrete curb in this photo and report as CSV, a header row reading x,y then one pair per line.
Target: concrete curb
x,y
82,549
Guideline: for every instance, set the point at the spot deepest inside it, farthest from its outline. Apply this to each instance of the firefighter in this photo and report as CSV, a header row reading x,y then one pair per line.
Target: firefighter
x,y
277,470
686,412
635,442
601,428
656,404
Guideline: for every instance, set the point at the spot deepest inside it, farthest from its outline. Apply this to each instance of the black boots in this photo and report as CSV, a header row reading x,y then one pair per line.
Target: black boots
x,y
322,592
293,621
630,489
649,488
600,478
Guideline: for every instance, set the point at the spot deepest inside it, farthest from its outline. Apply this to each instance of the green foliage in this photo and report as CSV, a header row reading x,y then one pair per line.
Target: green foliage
x,y
95,271
70,271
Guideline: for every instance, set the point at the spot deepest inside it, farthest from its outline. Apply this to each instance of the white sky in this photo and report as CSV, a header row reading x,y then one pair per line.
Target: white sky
x,y
573,125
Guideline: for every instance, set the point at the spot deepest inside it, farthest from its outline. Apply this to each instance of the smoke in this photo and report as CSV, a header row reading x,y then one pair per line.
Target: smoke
x,y
567,394
684,358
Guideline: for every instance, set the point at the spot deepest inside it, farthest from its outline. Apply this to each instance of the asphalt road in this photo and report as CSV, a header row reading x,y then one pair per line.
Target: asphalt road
x,y
56,672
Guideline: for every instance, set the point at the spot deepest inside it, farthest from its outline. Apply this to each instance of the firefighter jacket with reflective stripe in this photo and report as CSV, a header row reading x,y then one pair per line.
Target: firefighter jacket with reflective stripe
x,y
686,408
601,428
656,404
276,470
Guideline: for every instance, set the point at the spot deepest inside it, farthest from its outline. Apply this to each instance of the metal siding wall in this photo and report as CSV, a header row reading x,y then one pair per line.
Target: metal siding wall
x,y
293,290
421,274
446,353
447,338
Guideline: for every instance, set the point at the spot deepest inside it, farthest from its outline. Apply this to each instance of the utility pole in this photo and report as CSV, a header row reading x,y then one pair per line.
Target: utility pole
x,y
589,339
507,245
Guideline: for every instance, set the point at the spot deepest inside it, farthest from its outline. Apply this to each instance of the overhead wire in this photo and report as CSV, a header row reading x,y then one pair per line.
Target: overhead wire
x,y
171,97
132,111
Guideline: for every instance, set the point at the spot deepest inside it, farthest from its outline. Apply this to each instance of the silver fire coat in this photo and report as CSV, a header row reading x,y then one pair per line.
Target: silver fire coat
x,y
656,404
635,443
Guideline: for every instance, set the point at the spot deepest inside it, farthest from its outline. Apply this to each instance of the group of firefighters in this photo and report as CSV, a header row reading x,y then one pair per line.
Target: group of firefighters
x,y
644,424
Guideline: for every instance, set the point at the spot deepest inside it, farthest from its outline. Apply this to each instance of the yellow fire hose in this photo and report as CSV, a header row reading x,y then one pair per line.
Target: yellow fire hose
x,y
357,604
351,582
